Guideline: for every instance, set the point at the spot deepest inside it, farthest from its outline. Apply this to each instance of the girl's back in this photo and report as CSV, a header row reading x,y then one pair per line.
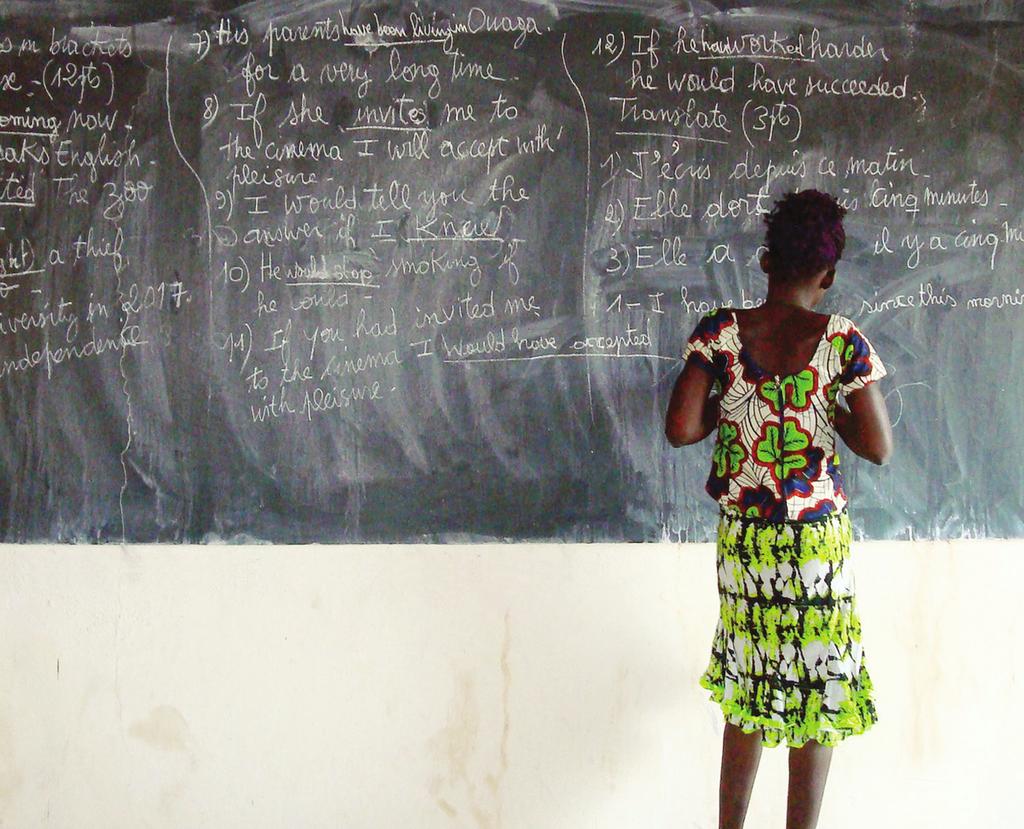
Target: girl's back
x,y
781,339
779,371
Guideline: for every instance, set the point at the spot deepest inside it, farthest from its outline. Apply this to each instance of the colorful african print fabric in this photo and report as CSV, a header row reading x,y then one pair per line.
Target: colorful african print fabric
x,y
775,452
787,655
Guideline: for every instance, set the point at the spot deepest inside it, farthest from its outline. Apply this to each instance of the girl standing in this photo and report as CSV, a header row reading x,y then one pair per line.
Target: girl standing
x,y
787,665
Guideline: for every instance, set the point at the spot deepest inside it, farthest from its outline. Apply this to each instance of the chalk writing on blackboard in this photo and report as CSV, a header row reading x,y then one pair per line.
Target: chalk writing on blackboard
x,y
335,273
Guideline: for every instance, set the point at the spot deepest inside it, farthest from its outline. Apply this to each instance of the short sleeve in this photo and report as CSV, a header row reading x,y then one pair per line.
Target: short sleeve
x,y
703,345
860,362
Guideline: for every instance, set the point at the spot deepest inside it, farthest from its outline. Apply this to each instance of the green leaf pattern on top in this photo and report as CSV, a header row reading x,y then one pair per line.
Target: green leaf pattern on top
x,y
800,384
831,393
729,454
793,389
783,455
843,348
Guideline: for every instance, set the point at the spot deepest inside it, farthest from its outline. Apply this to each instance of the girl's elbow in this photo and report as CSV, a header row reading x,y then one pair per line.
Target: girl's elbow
x,y
679,436
880,455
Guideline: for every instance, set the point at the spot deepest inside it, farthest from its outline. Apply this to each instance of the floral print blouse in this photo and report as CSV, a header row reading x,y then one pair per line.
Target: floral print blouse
x,y
775,453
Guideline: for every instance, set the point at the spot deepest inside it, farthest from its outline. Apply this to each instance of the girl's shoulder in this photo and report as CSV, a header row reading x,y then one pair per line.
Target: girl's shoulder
x,y
858,360
712,324
844,326
722,313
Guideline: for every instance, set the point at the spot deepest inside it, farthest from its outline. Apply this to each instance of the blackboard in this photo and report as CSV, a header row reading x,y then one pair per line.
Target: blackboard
x,y
332,271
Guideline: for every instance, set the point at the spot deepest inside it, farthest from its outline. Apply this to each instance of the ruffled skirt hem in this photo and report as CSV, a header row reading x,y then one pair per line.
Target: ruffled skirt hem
x,y
822,727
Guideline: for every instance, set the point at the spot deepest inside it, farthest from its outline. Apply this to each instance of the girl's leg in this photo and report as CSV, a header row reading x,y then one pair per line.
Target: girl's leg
x,y
808,769
740,755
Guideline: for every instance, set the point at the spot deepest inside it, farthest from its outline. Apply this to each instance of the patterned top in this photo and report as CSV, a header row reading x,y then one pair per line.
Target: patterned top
x,y
775,454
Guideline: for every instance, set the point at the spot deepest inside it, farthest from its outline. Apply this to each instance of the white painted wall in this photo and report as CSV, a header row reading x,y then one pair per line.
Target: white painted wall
x,y
500,687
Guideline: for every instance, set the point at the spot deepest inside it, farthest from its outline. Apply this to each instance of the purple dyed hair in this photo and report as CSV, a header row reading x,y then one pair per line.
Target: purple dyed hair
x,y
805,233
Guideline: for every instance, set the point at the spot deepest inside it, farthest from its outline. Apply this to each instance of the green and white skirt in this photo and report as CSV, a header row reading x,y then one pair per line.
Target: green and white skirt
x,y
787,656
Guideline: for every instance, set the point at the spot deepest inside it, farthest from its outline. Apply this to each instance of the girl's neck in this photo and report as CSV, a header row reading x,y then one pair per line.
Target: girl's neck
x,y
792,296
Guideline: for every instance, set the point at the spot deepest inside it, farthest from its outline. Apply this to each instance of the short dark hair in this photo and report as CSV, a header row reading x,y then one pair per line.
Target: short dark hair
x,y
804,233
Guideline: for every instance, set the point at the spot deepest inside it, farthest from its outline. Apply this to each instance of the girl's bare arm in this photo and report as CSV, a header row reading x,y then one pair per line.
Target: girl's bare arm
x,y
865,428
692,413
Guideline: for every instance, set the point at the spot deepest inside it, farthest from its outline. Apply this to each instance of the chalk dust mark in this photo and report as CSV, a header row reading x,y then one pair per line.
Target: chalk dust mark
x,y
209,210
177,147
202,187
128,442
586,218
